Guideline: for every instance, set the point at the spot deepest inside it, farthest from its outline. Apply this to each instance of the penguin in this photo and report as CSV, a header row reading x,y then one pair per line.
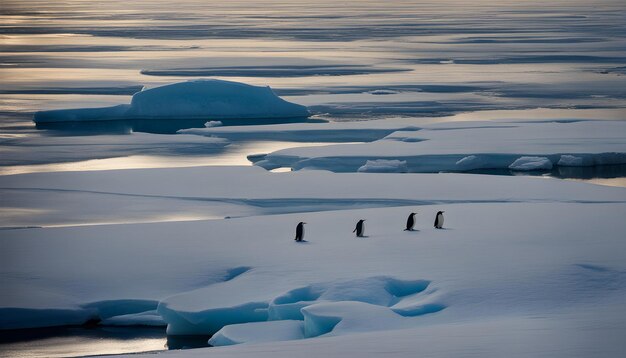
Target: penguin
x,y
439,220
300,231
410,222
360,228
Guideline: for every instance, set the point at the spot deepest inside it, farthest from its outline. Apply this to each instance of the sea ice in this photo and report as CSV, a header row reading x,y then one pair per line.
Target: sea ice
x,y
454,146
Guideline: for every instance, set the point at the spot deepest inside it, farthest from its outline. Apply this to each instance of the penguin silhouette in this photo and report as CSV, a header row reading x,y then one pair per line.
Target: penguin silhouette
x,y
439,220
410,222
360,228
300,231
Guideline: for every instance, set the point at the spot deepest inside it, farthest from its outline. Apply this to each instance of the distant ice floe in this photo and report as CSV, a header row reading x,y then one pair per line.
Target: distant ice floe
x,y
368,131
531,163
272,70
380,92
204,98
466,146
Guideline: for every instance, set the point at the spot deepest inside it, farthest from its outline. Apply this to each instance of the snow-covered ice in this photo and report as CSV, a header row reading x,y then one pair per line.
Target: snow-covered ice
x,y
147,195
204,98
219,273
467,273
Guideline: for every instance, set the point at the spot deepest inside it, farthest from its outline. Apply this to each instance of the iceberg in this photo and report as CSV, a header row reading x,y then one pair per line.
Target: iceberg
x,y
202,98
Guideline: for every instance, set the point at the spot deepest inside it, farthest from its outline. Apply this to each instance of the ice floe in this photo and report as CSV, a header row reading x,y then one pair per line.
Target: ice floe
x,y
462,146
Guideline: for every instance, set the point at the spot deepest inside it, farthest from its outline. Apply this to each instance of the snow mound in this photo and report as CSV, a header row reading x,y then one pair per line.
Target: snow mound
x,y
334,318
216,99
382,291
531,163
257,332
383,166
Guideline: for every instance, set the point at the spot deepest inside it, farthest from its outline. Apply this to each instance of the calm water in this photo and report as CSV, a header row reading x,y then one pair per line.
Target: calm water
x,y
80,341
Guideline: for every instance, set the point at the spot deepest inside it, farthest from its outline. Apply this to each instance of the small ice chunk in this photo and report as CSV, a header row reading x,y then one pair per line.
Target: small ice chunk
x,y
531,163
470,162
383,166
382,92
211,124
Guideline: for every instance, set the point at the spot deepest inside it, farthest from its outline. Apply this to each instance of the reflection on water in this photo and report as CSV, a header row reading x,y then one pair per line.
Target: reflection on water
x,y
79,341
234,154
155,126
621,182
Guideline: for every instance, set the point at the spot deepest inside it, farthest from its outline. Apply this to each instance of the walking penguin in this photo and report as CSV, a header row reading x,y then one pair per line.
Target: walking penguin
x,y
300,231
360,228
410,222
439,220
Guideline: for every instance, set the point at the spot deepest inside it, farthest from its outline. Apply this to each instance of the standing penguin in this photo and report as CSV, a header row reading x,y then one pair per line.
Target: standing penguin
x,y
410,222
300,231
360,228
439,220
